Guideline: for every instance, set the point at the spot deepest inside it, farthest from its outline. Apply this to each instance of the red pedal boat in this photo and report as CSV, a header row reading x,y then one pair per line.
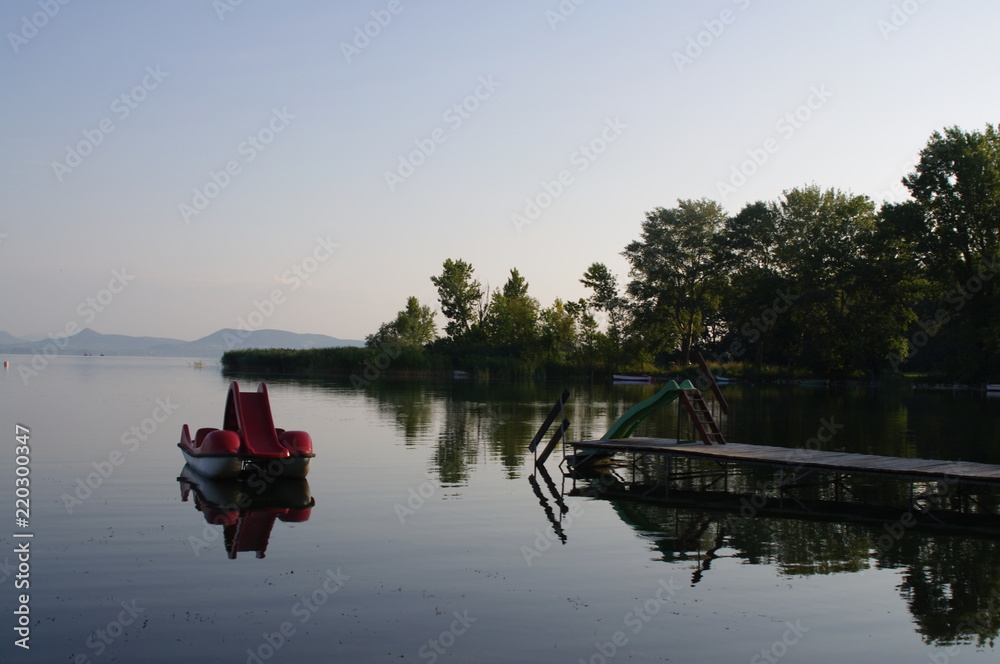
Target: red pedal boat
x,y
248,440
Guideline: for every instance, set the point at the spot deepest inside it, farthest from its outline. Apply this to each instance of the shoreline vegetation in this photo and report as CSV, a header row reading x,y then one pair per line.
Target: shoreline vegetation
x,y
363,366
819,284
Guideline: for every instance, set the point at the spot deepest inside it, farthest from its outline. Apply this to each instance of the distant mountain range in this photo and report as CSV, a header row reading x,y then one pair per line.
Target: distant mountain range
x,y
214,345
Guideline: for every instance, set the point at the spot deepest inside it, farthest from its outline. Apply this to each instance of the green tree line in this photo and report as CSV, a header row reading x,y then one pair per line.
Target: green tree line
x,y
820,281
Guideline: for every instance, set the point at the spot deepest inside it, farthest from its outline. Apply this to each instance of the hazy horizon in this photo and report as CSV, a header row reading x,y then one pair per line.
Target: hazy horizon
x,y
39,336
171,168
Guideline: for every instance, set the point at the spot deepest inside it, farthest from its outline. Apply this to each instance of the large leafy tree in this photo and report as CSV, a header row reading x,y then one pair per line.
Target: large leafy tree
x,y
818,252
512,318
588,337
558,333
459,294
956,187
413,327
675,281
887,287
748,256
606,298
854,294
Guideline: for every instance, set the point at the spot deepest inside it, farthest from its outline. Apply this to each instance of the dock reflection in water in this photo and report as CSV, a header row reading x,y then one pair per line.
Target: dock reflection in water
x,y
942,539
246,509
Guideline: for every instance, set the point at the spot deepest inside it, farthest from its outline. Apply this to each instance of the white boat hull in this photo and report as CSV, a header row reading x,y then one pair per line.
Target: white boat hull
x,y
214,467
228,467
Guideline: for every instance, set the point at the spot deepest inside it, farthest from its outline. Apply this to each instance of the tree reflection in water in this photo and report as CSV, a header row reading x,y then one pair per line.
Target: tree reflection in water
x,y
951,583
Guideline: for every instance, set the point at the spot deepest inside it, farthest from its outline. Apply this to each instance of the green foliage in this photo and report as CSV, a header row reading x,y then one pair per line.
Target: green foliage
x,y
326,361
558,332
826,238
607,298
413,328
819,282
957,186
676,283
955,230
516,286
459,294
511,321
747,252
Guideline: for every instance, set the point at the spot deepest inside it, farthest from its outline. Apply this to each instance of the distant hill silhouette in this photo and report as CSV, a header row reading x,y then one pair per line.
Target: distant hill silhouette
x,y
7,339
213,345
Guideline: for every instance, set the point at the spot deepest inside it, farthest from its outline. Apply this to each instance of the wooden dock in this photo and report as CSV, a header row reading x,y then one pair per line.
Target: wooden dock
x,y
803,459
709,473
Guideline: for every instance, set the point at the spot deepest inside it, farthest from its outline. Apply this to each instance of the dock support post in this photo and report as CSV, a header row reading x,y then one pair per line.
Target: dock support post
x,y
666,475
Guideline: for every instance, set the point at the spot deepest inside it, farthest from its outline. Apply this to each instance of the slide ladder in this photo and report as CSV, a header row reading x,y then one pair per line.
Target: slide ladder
x,y
712,383
701,417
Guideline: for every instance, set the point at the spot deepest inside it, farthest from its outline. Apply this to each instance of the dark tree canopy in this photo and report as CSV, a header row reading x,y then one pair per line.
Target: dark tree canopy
x,y
674,277
819,280
459,294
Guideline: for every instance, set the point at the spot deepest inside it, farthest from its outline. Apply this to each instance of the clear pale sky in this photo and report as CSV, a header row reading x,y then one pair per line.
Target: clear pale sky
x,y
155,98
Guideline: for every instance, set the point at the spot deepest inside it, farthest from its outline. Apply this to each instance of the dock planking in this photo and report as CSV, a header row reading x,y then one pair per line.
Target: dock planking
x,y
848,462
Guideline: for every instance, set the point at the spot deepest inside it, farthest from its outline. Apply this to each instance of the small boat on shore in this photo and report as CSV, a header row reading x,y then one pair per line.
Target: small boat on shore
x,y
248,440
625,378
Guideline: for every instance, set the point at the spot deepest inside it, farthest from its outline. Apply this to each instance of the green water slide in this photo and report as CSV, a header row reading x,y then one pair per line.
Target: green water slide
x,y
627,423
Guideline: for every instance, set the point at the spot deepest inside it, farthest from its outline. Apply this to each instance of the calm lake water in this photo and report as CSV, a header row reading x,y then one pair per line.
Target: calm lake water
x,y
423,536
